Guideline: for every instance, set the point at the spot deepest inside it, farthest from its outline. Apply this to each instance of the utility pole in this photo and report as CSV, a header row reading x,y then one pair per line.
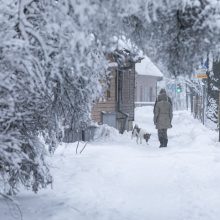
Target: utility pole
x,y
203,103
219,115
176,94
186,97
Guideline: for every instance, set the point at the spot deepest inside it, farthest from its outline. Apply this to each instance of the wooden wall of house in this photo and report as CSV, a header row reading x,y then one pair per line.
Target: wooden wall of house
x,y
127,92
107,103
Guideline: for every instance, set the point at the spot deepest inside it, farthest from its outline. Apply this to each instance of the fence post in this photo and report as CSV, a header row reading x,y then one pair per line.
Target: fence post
x,y
187,97
191,100
194,106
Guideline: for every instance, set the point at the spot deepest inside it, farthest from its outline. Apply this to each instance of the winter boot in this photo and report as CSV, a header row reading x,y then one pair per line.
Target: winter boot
x,y
165,142
161,142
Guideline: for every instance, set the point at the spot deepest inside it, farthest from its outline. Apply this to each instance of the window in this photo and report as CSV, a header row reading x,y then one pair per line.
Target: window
x,y
108,94
146,98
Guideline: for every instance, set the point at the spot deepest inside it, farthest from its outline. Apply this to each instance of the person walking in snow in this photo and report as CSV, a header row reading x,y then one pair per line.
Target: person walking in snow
x,y
163,114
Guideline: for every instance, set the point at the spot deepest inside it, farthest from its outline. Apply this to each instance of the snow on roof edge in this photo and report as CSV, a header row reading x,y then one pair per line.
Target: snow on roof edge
x,y
148,68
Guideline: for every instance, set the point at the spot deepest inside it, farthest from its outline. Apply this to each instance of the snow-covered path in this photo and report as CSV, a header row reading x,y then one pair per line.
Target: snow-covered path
x,y
116,179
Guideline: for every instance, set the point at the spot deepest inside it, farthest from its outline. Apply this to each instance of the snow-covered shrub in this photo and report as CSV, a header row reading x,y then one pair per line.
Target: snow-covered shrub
x,y
105,132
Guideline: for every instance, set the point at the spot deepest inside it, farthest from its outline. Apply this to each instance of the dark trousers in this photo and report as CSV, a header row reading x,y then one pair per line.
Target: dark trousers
x,y
162,136
162,133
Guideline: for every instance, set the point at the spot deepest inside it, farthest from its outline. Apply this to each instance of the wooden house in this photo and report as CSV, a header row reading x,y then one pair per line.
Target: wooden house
x,y
147,78
116,108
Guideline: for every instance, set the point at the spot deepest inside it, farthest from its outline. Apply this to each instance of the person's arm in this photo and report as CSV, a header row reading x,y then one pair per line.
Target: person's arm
x,y
170,101
155,105
171,113
156,113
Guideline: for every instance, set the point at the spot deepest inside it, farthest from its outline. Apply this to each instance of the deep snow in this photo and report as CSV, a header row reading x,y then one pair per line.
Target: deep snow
x,y
116,179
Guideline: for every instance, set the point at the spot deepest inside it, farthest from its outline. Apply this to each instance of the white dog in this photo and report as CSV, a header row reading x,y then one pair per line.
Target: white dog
x,y
140,134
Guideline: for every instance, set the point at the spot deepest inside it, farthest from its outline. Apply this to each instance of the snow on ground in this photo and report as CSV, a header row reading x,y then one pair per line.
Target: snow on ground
x,y
116,179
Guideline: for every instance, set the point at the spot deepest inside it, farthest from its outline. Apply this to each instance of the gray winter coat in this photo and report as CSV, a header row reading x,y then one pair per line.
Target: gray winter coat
x,y
163,112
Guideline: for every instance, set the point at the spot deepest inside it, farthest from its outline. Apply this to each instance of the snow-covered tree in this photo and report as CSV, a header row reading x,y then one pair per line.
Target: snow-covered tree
x,y
23,106
175,34
213,83
50,72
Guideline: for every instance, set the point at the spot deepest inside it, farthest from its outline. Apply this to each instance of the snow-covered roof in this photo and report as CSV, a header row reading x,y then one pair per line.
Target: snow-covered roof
x,y
124,56
146,67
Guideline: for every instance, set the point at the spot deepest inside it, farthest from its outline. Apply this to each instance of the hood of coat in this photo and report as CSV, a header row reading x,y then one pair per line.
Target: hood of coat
x,y
162,97
162,91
